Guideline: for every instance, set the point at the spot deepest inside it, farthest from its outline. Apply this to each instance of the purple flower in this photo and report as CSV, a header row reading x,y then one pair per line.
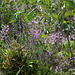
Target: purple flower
x,y
71,69
35,22
40,17
60,34
58,26
74,15
32,21
6,31
50,53
42,22
61,69
60,37
4,26
1,31
56,68
74,18
45,22
2,39
68,63
63,66
74,21
3,36
63,40
7,26
53,42
63,30
49,41
29,23
59,43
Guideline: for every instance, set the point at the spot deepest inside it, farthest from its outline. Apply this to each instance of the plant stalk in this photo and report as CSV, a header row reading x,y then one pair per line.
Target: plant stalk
x,y
70,49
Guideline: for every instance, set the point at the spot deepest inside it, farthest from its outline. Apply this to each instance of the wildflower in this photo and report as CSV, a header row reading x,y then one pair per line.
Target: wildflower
x,y
2,39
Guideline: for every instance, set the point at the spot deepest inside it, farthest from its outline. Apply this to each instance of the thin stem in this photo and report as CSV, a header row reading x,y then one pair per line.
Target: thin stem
x,y
70,49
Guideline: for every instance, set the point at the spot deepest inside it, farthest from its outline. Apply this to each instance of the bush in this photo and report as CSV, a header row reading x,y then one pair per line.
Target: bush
x,y
17,62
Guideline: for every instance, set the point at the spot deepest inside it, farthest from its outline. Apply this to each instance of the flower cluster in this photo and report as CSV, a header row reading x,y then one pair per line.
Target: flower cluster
x,y
35,34
49,53
63,65
4,31
55,37
35,27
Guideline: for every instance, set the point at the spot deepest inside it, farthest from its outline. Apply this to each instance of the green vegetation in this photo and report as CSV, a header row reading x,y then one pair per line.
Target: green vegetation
x,y
37,37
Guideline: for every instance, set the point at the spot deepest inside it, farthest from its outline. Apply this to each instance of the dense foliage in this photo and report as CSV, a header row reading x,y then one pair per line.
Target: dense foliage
x,y
37,37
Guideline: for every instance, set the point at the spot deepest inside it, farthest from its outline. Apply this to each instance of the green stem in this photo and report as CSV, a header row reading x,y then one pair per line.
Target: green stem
x,y
70,49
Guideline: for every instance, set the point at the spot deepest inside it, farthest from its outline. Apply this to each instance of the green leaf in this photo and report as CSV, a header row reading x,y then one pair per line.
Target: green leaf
x,y
30,65
56,25
68,13
17,13
63,6
44,36
60,72
51,68
38,1
19,70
